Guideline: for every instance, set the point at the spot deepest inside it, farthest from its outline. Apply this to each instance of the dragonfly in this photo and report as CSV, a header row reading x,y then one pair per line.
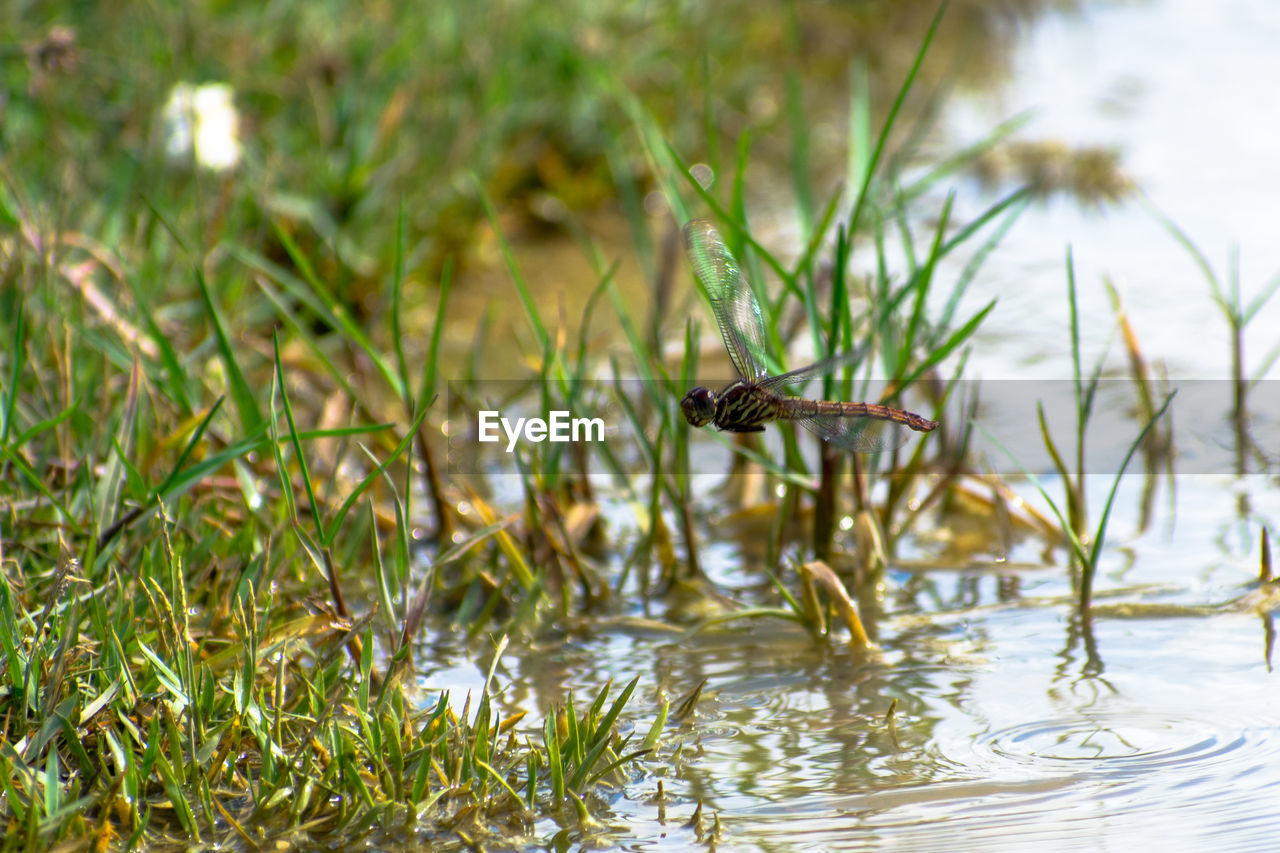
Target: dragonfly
x,y
757,398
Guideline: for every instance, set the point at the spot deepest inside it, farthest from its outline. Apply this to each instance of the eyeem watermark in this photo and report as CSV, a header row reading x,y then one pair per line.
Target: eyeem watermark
x,y
617,415
560,426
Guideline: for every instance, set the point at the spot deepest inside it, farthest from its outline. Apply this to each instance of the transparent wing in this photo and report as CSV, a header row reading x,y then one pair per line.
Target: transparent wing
x,y
735,307
859,435
802,375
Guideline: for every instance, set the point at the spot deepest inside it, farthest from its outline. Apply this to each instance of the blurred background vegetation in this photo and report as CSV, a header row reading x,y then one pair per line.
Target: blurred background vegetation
x,y
350,111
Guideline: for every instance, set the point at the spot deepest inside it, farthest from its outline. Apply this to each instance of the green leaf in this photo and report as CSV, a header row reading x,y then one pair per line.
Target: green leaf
x,y
241,392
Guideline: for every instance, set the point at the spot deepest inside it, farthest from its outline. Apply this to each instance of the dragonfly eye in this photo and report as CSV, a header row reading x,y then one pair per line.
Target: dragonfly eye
x,y
699,406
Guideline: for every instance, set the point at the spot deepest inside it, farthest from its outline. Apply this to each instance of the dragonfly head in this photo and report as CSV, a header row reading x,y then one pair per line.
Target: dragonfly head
x,y
699,406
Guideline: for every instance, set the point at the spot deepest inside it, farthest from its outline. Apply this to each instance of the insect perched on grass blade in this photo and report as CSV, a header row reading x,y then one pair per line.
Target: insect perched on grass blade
x,y
757,398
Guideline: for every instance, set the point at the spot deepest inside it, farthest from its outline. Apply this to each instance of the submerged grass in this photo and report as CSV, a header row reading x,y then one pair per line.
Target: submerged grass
x,y
1084,545
1229,299
887,314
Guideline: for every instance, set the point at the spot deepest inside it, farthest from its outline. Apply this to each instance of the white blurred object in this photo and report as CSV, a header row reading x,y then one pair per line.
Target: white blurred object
x,y
202,121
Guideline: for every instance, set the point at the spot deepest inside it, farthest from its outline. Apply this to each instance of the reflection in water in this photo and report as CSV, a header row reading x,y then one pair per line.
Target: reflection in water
x,y
1080,631
1269,635
794,748
1004,735
1118,775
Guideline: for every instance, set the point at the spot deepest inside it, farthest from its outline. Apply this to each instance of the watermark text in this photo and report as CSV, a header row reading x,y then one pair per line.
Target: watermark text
x,y
558,426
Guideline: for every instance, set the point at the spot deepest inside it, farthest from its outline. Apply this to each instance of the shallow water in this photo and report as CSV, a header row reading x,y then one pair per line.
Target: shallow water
x,y
1012,729
1182,88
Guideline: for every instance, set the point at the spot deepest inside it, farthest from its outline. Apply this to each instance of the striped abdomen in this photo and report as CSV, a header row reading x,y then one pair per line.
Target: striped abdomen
x,y
792,408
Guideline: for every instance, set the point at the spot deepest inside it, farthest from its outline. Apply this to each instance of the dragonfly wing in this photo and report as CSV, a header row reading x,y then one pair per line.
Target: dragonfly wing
x,y
737,312
857,435
802,375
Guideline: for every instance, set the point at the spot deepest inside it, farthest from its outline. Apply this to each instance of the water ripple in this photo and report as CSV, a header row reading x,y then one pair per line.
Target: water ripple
x,y
1184,782
1120,743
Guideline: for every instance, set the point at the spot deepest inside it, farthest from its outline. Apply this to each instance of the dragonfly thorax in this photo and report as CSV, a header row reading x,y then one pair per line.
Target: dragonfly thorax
x,y
742,407
699,406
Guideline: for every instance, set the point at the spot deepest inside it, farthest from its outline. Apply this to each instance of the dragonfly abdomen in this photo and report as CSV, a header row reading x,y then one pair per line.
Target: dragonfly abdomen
x,y
795,408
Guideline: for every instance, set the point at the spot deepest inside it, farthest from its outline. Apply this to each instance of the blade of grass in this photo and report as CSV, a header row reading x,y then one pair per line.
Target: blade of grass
x,y
303,468
543,337
868,170
241,392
